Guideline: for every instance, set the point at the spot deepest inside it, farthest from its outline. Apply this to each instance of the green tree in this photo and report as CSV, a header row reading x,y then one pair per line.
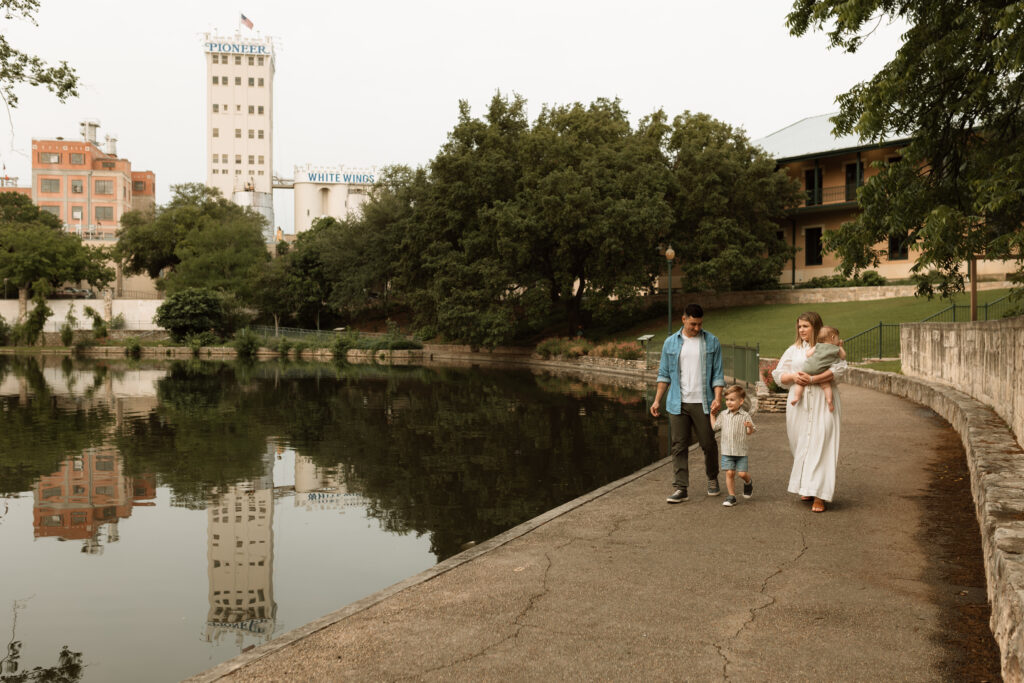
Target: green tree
x,y
274,289
34,247
17,67
192,311
726,199
955,87
199,238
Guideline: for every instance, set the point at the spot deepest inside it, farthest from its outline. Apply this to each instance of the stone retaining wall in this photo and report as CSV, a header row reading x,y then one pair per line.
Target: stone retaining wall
x,y
983,359
715,300
996,463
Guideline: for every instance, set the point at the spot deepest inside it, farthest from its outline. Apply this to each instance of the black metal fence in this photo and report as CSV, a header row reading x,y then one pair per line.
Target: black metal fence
x,y
739,361
881,341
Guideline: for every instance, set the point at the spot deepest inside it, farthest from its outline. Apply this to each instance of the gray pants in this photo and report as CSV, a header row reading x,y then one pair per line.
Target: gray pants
x,y
692,418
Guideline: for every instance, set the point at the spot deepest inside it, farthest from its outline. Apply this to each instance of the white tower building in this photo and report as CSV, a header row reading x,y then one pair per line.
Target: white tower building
x,y
240,121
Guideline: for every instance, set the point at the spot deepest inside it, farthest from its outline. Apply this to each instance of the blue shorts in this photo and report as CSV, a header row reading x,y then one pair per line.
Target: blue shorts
x,y
732,462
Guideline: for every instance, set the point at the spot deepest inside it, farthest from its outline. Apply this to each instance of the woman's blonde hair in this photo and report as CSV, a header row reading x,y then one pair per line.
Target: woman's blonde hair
x,y
814,319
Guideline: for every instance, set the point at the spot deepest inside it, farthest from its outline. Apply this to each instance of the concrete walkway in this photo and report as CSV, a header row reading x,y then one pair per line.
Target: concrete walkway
x,y
620,585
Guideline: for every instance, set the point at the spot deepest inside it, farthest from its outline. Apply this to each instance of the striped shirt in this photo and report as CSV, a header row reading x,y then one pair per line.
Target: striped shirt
x,y
734,432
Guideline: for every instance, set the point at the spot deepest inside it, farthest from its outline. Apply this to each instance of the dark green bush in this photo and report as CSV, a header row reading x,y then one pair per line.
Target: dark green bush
x,y
5,332
247,343
869,278
190,312
132,347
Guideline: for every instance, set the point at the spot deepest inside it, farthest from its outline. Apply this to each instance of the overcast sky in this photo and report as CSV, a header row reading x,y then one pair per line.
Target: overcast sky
x,y
378,82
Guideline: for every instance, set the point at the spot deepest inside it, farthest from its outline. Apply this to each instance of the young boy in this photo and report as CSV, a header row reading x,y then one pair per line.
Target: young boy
x,y
735,425
826,352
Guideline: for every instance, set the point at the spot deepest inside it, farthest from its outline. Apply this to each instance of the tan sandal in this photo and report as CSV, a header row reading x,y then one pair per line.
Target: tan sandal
x,y
819,505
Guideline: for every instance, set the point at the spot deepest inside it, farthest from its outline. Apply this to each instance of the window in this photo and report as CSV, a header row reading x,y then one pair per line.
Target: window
x,y
238,171
138,186
107,164
238,59
260,157
252,158
77,187
261,134
104,213
215,171
55,210
260,173
216,133
216,80
49,185
252,60
238,107
224,158
899,248
812,184
215,158
894,160
812,246
238,80
49,158
76,213
238,132
104,187
854,179
261,82
216,108
104,490
252,109
77,159
238,158
260,110
252,81
259,61
251,133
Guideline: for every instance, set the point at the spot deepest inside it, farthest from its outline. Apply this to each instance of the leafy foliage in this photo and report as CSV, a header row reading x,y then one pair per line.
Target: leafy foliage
x,y
35,248
199,239
954,87
17,67
191,311
868,278
515,226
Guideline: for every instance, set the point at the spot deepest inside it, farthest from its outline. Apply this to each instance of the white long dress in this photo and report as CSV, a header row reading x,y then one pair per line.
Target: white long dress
x,y
813,431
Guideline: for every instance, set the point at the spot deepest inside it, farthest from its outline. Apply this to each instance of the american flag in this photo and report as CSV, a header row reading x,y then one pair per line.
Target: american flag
x,y
247,22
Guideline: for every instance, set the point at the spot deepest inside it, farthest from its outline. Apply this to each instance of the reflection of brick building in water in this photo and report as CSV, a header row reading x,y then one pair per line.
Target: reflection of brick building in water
x,y
241,560
86,493
318,488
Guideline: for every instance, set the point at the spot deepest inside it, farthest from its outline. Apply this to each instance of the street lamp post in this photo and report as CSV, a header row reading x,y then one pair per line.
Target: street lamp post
x,y
670,255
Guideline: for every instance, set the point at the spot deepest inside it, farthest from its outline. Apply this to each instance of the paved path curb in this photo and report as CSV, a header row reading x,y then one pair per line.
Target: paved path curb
x,y
996,463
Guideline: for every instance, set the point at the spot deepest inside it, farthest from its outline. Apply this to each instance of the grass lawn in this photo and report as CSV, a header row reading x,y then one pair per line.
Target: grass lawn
x,y
774,326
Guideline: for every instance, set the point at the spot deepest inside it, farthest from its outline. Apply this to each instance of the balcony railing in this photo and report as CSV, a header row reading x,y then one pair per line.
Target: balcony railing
x,y
831,195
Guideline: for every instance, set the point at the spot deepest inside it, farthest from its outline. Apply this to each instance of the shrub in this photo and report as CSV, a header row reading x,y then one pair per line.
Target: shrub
x,y
280,344
132,347
247,343
625,350
67,330
201,339
5,332
342,343
769,382
117,322
29,330
563,347
190,312
99,325
869,278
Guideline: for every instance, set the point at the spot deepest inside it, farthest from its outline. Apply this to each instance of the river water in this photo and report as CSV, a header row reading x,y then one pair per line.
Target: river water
x,y
159,518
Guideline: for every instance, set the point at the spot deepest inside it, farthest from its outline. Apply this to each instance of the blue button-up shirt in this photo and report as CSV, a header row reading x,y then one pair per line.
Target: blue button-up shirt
x,y
710,370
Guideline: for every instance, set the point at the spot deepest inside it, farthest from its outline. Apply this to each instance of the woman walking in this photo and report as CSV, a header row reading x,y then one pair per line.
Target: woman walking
x,y
813,429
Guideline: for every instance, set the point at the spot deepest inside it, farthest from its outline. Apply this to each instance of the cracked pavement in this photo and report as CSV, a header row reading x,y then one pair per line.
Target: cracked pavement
x,y
625,586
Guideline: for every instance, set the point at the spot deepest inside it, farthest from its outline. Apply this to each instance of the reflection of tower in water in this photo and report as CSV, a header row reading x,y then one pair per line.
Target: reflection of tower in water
x,y
319,488
240,537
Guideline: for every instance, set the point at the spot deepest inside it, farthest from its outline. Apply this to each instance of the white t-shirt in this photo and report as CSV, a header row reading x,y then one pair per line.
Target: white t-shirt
x,y
689,371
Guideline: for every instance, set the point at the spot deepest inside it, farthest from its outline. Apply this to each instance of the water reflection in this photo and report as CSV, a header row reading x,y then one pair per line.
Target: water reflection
x,y
363,469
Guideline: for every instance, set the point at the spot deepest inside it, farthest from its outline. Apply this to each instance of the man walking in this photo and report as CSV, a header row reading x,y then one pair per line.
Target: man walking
x,y
691,373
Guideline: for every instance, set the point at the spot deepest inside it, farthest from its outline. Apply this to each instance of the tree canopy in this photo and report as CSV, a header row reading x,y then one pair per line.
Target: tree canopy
x,y
17,67
515,226
199,238
955,86
34,247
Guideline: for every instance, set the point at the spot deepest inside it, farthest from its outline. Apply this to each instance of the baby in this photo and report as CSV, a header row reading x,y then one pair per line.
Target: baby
x,y
826,352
